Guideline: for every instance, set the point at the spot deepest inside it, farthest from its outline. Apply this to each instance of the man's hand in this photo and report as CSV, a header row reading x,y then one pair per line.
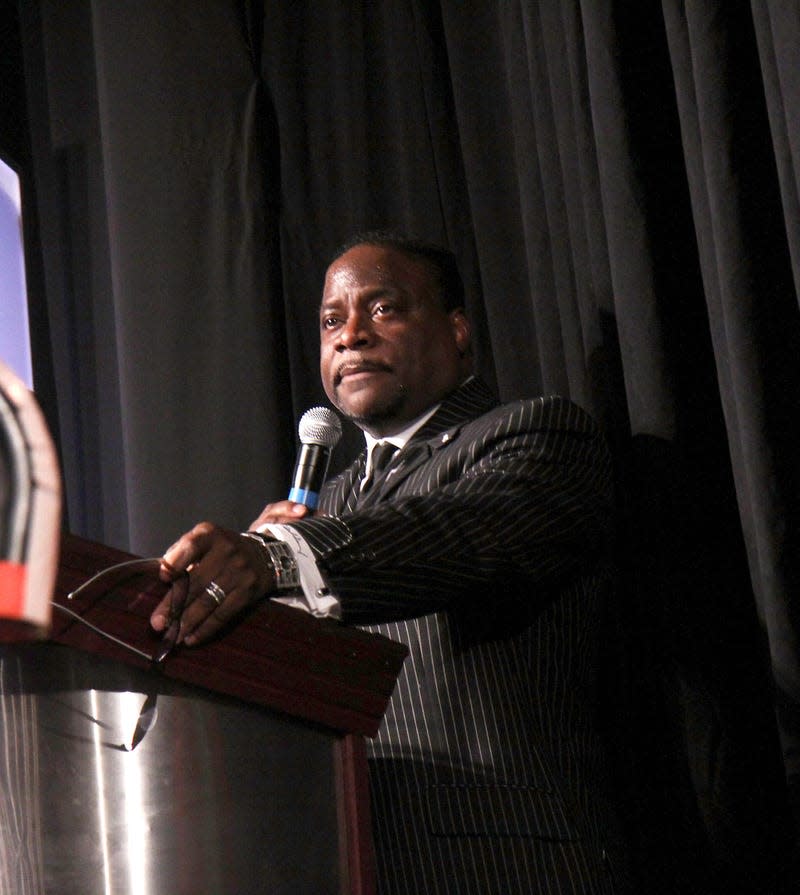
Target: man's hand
x,y
212,556
278,512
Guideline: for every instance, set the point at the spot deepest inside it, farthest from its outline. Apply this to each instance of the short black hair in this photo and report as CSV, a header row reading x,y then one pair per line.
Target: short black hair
x,y
439,260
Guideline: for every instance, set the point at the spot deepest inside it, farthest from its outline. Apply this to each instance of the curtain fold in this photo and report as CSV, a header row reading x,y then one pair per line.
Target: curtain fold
x,y
203,368
621,184
752,302
777,30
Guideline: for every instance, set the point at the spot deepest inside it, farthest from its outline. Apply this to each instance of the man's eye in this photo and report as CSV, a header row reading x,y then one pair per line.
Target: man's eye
x,y
382,309
329,322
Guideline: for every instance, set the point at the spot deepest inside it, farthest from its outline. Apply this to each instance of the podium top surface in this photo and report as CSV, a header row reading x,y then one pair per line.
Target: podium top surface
x,y
315,670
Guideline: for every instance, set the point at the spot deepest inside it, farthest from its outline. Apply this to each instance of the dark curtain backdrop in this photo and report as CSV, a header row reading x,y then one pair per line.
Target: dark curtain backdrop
x,y
620,181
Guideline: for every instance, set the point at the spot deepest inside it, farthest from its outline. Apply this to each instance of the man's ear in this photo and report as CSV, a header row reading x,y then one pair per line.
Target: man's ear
x,y
461,330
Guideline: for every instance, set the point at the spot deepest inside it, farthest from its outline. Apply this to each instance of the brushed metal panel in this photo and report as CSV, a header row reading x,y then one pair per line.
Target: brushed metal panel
x,y
115,780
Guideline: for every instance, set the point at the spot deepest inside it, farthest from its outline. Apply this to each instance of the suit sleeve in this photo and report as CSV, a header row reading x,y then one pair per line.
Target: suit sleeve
x,y
518,501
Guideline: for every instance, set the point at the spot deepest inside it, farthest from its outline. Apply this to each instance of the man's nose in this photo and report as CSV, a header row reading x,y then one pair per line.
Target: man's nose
x,y
356,332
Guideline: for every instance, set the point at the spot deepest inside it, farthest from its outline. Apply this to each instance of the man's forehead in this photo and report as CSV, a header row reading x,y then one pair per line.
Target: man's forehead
x,y
376,265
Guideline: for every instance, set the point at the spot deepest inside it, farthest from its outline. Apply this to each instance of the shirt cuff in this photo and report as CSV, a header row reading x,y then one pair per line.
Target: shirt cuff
x,y
317,598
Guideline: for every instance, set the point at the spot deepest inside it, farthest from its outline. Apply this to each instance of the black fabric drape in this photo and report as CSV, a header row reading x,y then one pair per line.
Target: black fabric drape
x,y
620,183
743,241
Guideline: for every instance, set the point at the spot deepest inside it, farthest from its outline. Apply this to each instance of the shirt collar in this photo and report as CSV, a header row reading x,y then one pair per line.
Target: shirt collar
x,y
398,439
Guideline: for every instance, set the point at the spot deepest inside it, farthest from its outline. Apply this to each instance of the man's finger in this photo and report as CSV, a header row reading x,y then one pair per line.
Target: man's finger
x,y
279,512
191,547
204,624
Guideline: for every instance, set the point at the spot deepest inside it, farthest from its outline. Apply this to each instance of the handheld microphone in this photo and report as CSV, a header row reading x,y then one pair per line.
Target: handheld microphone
x,y
319,430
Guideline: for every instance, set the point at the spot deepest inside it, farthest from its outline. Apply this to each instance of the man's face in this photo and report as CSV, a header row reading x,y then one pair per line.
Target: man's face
x,y
389,350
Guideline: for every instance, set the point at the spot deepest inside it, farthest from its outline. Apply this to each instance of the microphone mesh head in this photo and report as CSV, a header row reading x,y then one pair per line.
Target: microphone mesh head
x,y
319,425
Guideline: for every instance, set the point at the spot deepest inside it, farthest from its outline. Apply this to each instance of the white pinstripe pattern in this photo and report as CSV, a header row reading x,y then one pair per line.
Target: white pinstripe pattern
x,y
483,551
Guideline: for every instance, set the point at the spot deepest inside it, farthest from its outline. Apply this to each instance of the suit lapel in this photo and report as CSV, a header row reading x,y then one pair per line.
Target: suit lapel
x,y
473,399
405,462
342,493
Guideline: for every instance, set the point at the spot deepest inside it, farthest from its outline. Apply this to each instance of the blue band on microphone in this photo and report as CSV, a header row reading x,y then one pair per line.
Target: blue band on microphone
x,y
307,498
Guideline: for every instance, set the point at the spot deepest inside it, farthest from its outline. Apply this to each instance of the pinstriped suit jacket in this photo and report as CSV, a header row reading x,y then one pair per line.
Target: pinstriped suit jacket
x,y
483,547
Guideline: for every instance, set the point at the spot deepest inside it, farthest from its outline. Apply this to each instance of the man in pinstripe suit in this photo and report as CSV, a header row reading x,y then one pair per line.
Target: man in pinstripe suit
x,y
482,546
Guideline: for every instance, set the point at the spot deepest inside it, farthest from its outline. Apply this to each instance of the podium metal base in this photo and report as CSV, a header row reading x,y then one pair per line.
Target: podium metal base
x,y
116,780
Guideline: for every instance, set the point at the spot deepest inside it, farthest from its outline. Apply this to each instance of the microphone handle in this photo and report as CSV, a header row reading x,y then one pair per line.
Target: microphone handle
x,y
309,474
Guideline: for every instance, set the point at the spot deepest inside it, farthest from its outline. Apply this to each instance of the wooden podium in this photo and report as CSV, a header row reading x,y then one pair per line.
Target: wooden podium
x,y
237,766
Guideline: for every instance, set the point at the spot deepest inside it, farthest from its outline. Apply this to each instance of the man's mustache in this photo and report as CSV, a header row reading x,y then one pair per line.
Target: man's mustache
x,y
359,365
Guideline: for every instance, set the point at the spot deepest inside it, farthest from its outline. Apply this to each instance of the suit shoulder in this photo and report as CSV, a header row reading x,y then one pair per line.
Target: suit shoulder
x,y
547,412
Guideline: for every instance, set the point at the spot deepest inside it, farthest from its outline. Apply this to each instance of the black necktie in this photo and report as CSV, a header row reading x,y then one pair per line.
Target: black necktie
x,y
382,455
